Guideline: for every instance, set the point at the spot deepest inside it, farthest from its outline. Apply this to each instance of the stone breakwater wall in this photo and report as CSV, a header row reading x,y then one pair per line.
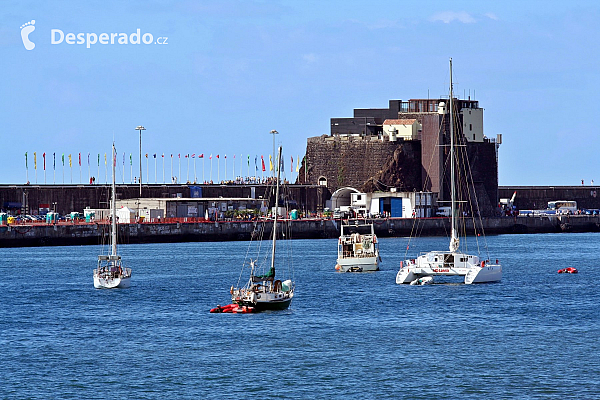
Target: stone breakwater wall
x,y
95,233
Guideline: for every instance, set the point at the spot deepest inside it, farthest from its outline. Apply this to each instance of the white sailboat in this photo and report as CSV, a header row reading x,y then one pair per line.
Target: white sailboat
x,y
453,262
264,291
358,248
110,273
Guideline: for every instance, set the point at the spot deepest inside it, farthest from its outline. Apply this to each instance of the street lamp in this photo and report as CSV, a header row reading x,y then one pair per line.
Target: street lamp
x,y
140,128
274,132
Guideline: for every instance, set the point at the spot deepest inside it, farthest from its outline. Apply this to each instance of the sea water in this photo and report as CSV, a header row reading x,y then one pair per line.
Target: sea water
x,y
532,335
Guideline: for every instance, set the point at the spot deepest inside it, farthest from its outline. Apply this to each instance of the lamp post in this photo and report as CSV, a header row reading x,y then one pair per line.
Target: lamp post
x,y
140,128
274,132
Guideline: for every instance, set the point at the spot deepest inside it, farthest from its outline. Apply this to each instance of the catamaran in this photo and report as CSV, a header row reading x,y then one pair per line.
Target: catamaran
x,y
110,273
453,262
263,291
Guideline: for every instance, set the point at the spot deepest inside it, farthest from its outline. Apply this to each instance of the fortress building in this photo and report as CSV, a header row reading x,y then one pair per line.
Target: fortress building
x,y
404,148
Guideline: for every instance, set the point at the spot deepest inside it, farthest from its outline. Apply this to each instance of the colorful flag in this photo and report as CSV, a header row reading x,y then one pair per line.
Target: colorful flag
x,y
88,160
34,160
186,156
263,163
217,156
179,155
146,155
44,157
98,159
25,160
70,163
225,156
248,160
201,155
194,155
297,163
210,158
292,164
63,159
80,159
154,155
54,162
130,159
270,163
105,163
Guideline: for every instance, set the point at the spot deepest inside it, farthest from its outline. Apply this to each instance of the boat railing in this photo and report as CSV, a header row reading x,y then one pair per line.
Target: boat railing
x,y
352,254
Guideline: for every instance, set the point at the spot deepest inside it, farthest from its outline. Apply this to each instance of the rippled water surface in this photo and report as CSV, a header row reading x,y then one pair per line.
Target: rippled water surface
x,y
533,335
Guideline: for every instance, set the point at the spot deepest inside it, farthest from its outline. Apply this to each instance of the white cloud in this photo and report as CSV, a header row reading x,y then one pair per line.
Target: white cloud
x,y
491,16
310,58
449,16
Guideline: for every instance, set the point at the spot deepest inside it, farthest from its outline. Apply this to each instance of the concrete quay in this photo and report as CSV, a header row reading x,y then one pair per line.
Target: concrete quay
x,y
82,233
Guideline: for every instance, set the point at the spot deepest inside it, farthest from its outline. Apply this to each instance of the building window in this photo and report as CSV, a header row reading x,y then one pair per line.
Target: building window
x,y
470,127
322,181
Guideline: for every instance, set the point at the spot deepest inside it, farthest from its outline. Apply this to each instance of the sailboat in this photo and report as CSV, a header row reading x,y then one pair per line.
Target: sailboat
x,y
110,273
263,291
453,262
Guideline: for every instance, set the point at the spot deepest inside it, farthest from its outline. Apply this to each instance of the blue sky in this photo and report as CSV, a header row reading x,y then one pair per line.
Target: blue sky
x,y
232,71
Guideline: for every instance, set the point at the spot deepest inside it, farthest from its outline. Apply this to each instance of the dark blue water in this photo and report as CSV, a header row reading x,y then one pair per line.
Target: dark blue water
x,y
534,335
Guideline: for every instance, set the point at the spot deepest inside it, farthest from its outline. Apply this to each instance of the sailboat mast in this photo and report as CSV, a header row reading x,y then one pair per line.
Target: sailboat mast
x,y
276,208
454,238
113,231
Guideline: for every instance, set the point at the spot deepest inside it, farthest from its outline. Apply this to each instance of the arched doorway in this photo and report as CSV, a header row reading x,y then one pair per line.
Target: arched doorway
x,y
341,197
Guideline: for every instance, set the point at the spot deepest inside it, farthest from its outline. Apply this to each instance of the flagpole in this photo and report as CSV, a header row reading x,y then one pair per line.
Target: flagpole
x,y
163,158
188,169
172,168
211,167
203,180
225,166
218,169
233,166
195,176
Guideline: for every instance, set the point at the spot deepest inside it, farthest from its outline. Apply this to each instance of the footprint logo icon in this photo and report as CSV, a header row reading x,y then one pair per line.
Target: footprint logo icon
x,y
26,29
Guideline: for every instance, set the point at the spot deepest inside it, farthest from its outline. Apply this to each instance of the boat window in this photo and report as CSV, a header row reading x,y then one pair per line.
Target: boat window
x,y
449,258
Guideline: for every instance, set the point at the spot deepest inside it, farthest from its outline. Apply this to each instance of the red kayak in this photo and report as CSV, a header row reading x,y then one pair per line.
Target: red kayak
x,y
568,270
233,309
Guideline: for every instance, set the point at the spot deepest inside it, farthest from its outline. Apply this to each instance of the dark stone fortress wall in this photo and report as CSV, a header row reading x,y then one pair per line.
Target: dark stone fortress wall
x,y
365,163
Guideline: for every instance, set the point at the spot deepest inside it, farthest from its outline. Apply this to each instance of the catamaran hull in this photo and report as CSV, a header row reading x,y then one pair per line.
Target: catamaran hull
x,y
489,273
111,283
366,264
